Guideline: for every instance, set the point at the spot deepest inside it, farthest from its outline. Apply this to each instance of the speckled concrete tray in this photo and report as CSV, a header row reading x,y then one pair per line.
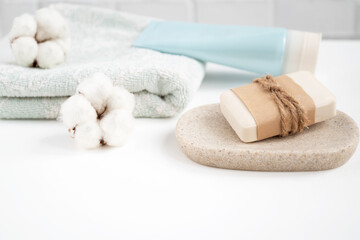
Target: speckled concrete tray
x,y
205,137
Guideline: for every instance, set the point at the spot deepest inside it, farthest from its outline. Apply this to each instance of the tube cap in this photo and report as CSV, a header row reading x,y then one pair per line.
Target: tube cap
x,y
301,51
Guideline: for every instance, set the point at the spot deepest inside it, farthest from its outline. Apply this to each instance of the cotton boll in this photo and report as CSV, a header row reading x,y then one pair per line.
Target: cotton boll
x,y
48,30
77,110
50,54
23,26
96,89
117,127
25,50
88,135
121,98
51,25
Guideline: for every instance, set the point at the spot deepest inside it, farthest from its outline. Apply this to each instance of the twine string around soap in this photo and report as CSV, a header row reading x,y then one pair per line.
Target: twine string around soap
x,y
284,102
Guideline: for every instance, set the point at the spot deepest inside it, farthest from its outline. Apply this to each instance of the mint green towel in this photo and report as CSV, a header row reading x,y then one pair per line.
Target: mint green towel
x,y
101,39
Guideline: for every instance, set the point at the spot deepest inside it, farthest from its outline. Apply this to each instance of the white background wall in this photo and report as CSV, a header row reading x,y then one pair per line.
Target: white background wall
x,y
335,18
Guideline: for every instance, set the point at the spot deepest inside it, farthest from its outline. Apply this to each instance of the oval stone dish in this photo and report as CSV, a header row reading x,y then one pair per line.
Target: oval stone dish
x,y
205,137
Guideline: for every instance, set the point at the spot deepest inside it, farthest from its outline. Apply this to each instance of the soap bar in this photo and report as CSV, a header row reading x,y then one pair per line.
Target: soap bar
x,y
317,101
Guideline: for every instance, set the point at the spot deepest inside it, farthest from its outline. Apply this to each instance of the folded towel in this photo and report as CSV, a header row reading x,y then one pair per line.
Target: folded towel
x,y
101,41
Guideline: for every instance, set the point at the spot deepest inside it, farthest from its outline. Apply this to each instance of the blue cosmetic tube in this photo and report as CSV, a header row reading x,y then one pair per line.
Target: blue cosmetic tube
x,y
259,50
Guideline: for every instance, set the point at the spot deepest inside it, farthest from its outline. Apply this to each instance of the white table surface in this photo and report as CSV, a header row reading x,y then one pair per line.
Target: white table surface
x,y
50,189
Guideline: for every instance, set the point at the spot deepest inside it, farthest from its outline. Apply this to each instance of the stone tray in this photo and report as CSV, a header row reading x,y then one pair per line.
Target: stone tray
x,y
205,137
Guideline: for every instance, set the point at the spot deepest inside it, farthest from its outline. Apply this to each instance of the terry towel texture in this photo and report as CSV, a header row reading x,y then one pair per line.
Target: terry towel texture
x,y
101,41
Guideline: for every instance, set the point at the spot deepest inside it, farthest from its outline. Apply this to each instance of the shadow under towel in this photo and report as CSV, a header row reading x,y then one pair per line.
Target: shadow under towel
x,y
100,41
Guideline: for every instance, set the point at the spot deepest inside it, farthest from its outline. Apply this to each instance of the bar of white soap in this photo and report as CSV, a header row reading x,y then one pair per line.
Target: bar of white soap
x,y
243,123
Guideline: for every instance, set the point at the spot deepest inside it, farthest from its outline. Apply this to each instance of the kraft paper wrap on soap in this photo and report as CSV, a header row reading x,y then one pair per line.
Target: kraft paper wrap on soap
x,y
264,110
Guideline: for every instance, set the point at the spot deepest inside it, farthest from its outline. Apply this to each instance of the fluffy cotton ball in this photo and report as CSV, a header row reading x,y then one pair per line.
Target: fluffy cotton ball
x,y
96,89
117,127
50,25
77,110
88,135
121,98
48,29
25,50
23,26
50,54
99,113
